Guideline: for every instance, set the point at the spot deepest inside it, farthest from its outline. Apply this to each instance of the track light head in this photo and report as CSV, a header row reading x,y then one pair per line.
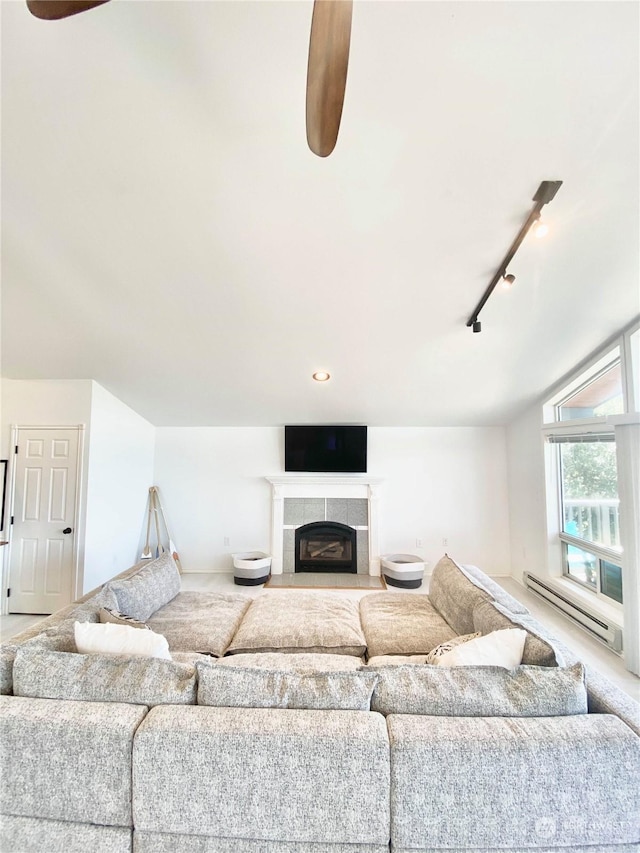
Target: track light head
x,y
507,280
477,326
540,229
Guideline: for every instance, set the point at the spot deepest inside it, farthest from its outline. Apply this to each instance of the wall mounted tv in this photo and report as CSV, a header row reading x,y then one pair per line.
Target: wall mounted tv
x,y
325,449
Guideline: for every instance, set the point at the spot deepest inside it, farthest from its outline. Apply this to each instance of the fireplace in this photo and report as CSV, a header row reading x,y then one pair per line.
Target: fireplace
x,y
300,499
325,546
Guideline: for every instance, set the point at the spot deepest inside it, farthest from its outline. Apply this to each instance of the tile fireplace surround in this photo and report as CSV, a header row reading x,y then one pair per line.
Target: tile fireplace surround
x,y
302,498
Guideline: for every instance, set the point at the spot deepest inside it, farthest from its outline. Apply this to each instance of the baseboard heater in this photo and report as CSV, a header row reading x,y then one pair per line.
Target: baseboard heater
x,y
599,627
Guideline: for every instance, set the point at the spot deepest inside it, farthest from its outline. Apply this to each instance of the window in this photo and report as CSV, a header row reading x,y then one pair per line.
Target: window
x,y
589,510
583,501
589,489
602,395
594,393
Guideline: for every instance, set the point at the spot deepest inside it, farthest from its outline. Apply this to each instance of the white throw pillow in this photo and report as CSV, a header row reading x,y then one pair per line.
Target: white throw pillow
x,y
110,639
499,648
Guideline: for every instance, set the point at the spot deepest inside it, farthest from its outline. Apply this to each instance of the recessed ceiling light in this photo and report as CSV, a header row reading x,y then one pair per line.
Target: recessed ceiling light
x,y
321,376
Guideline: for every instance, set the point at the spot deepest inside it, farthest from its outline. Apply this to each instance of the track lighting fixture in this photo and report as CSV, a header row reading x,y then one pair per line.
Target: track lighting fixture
x,y
545,193
507,280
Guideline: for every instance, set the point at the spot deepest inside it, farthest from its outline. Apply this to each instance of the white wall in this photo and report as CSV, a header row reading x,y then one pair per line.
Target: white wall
x,y
120,471
212,486
527,501
45,402
444,483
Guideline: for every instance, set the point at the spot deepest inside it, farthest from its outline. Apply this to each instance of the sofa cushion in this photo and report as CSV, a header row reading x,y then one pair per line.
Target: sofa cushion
x,y
110,639
607,698
398,624
300,622
67,760
201,622
481,691
396,660
539,648
454,595
86,609
50,674
59,624
497,593
170,842
35,835
146,591
263,774
258,687
7,658
501,783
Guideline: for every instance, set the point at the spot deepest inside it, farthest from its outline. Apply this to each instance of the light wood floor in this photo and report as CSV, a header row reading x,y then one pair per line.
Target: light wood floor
x,y
588,649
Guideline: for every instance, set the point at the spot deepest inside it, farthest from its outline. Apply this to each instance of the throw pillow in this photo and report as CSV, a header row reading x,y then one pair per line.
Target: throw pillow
x,y
499,648
107,615
110,639
146,591
245,687
443,648
481,691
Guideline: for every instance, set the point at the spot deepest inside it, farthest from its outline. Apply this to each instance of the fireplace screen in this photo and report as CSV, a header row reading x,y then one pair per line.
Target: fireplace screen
x,y
326,546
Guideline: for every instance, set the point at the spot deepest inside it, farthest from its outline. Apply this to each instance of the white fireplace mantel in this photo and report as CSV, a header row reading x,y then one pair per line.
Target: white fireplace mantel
x,y
323,486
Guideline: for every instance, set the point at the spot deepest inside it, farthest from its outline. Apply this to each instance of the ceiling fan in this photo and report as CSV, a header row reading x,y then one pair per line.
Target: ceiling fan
x,y
326,70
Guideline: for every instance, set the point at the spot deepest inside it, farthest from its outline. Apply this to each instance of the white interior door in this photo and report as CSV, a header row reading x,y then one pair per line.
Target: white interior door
x,y
41,567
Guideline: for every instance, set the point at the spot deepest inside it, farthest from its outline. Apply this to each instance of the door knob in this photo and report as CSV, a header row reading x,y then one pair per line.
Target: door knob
x,y
67,530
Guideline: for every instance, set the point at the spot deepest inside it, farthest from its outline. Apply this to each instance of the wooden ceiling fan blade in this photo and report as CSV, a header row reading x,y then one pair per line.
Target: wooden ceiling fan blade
x,y
327,72
53,10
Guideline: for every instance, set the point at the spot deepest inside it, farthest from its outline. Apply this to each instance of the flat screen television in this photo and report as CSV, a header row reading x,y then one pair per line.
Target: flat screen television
x,y
325,449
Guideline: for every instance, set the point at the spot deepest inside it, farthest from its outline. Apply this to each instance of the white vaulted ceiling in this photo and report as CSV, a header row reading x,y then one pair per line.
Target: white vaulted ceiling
x,y
167,232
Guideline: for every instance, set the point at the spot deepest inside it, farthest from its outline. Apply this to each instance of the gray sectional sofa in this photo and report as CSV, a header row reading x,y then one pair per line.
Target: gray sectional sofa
x,y
307,722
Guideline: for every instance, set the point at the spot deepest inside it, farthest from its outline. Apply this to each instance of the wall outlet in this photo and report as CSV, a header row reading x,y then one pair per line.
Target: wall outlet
x,y
226,540
445,542
418,543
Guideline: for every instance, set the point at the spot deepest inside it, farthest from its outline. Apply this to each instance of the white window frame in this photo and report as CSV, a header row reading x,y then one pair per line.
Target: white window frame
x,y
557,538
618,347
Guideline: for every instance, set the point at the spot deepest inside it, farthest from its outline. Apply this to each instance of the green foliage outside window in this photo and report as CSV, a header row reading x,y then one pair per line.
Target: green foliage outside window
x,y
589,471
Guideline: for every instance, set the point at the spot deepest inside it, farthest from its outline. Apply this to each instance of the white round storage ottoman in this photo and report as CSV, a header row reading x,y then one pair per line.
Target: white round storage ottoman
x,y
251,568
403,570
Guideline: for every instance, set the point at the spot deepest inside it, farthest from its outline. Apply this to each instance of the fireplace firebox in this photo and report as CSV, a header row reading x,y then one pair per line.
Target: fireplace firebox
x,y
325,546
